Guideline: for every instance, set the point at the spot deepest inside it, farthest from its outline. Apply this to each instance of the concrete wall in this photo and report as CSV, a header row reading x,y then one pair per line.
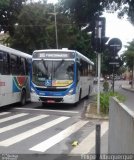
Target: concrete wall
x,y
121,128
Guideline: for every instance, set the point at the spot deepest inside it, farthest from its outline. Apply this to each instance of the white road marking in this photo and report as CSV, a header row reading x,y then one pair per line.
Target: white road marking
x,y
22,123
13,117
43,146
48,110
89,142
4,113
31,132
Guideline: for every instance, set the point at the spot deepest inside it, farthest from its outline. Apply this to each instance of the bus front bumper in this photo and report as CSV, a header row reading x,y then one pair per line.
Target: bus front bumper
x,y
65,99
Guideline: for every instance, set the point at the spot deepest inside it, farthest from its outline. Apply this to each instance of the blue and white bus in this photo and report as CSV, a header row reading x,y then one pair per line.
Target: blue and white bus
x,y
60,76
14,76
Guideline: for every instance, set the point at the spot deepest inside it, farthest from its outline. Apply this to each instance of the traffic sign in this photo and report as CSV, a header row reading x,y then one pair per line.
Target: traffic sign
x,y
114,63
115,45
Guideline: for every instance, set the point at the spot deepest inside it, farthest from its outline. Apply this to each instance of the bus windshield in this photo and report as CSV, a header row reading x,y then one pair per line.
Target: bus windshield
x,y
60,72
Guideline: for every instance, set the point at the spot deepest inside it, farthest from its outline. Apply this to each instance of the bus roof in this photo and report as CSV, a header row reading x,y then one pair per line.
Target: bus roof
x,y
14,51
65,50
85,58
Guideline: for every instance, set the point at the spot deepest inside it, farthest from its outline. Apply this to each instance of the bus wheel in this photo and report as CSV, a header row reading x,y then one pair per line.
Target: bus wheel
x,y
23,97
43,104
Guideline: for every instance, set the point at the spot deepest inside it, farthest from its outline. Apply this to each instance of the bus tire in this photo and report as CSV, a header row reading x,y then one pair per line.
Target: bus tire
x,y
43,104
88,96
23,97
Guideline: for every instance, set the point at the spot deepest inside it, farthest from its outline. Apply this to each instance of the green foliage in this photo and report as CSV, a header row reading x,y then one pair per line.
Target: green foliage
x,y
128,55
124,7
82,11
104,100
36,30
9,10
31,31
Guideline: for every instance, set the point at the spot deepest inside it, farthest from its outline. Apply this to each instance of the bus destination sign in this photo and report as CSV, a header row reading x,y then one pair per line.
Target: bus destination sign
x,y
54,55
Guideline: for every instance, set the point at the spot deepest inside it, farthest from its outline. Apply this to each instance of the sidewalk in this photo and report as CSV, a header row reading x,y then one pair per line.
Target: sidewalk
x,y
127,87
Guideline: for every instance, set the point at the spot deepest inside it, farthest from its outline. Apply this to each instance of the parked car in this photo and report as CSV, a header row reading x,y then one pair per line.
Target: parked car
x,y
96,79
101,79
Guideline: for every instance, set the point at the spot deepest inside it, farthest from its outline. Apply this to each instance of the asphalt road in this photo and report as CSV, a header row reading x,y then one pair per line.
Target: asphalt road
x,y
129,95
37,131
50,129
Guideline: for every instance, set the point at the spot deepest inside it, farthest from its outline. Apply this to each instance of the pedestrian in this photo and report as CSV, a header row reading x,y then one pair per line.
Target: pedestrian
x,y
106,86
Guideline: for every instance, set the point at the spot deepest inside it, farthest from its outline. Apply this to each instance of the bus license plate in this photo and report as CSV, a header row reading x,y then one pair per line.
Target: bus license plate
x,y
50,101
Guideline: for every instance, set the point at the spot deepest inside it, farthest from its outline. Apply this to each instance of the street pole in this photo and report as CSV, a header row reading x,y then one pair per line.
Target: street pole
x,y
98,96
56,34
99,70
98,141
113,78
98,35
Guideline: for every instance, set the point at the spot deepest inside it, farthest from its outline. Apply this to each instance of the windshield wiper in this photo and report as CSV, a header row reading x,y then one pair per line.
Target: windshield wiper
x,y
60,63
45,65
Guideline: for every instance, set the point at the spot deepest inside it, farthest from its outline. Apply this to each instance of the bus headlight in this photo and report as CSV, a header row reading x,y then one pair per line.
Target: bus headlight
x,y
32,90
71,91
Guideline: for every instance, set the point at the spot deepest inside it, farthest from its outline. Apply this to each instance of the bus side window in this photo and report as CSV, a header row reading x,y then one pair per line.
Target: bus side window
x,y
13,64
27,66
22,66
81,68
6,64
18,65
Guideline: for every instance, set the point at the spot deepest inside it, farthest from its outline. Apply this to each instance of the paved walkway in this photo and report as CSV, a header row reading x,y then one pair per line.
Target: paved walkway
x,y
127,87
128,92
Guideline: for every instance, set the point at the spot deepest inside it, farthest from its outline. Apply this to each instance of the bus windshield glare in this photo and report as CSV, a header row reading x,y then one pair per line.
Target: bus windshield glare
x,y
58,71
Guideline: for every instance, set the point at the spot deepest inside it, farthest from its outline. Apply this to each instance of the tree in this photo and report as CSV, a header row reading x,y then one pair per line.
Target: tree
x,y
82,12
31,29
9,10
36,30
128,57
124,7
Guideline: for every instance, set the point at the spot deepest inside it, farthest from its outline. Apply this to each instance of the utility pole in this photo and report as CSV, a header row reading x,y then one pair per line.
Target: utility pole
x,y
56,33
99,69
98,36
55,24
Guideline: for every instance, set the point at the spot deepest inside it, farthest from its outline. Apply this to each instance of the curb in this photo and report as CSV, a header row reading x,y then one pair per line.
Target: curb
x,y
94,116
128,89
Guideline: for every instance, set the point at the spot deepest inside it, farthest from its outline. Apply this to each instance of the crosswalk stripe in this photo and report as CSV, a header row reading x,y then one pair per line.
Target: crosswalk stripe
x,y
43,146
47,110
4,113
22,123
13,117
89,142
29,133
